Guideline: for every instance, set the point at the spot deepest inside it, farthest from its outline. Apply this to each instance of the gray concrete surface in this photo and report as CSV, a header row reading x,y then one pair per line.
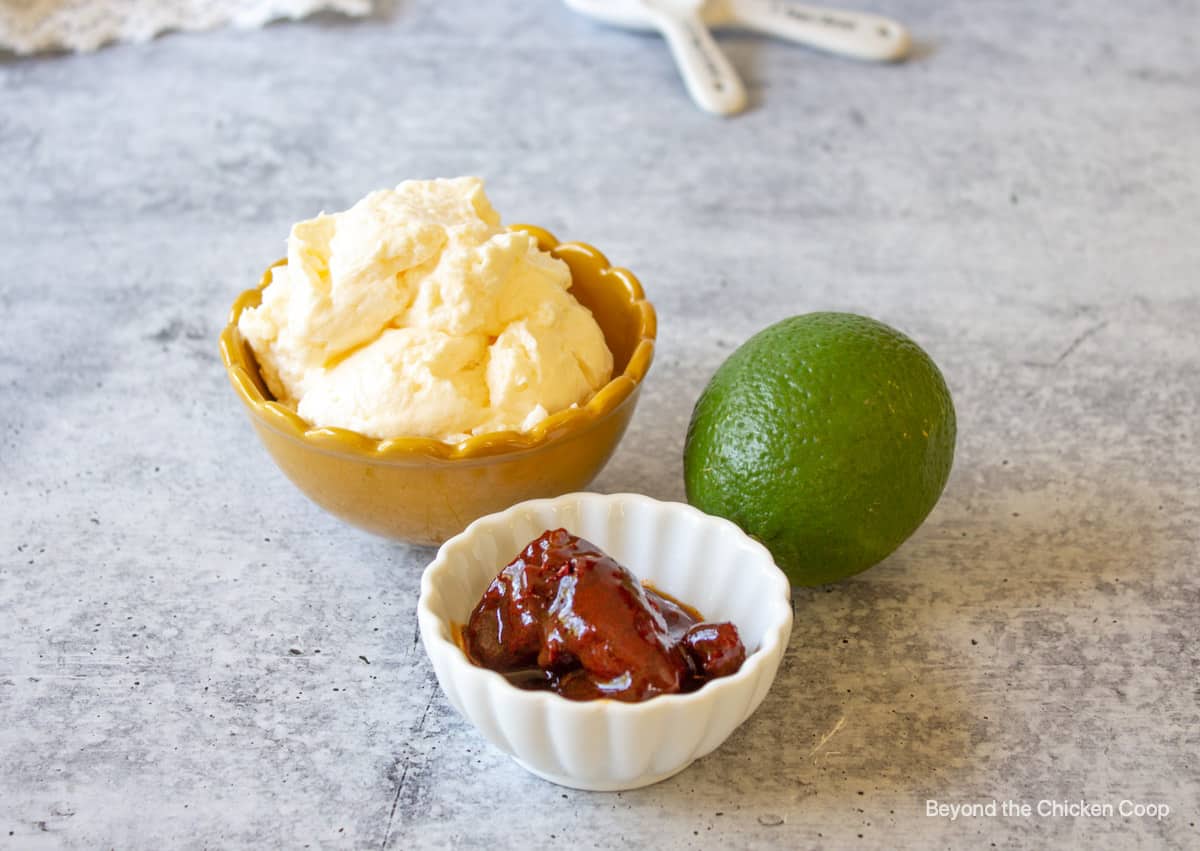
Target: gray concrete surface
x,y
192,655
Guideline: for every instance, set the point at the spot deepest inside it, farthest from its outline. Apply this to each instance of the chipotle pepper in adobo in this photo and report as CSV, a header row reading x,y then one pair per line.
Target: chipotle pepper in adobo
x,y
564,616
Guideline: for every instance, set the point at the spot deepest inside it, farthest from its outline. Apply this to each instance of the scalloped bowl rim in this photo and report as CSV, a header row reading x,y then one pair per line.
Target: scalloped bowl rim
x,y
558,425
773,644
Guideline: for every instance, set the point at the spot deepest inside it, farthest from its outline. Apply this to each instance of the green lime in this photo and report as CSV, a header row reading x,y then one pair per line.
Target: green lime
x,y
828,437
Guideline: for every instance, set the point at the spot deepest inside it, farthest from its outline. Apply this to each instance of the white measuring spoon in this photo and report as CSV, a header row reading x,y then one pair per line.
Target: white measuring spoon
x,y
710,79
855,34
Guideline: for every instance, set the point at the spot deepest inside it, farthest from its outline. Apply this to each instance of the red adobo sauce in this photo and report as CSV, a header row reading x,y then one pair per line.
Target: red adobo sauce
x,y
565,617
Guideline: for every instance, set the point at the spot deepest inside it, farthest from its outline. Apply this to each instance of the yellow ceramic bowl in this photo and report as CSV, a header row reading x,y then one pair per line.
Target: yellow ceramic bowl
x,y
422,490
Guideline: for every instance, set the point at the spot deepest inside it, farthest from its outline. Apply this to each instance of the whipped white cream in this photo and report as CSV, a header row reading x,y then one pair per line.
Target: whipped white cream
x,y
415,314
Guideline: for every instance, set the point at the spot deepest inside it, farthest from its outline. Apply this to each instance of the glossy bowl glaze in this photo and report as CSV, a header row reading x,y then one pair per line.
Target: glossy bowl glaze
x,y
606,745
422,490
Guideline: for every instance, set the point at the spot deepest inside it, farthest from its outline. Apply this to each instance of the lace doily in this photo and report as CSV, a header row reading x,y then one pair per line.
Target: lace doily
x,y
27,26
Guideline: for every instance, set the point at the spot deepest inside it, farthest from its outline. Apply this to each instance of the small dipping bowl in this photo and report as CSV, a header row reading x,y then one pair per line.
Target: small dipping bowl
x,y
606,745
422,490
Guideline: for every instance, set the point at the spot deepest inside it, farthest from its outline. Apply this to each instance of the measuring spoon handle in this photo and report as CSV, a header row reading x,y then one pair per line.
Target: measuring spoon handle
x,y
853,34
710,79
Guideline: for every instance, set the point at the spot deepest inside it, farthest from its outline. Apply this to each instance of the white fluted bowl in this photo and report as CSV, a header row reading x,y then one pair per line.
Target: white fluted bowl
x,y
606,745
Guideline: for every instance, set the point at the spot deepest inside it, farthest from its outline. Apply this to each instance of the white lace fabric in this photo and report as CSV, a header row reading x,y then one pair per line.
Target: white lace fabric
x,y
29,26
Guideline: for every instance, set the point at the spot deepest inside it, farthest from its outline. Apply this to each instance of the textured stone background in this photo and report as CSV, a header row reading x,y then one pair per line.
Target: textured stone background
x,y
192,655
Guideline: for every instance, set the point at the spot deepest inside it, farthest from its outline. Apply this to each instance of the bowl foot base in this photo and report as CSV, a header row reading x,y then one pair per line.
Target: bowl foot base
x,y
601,785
